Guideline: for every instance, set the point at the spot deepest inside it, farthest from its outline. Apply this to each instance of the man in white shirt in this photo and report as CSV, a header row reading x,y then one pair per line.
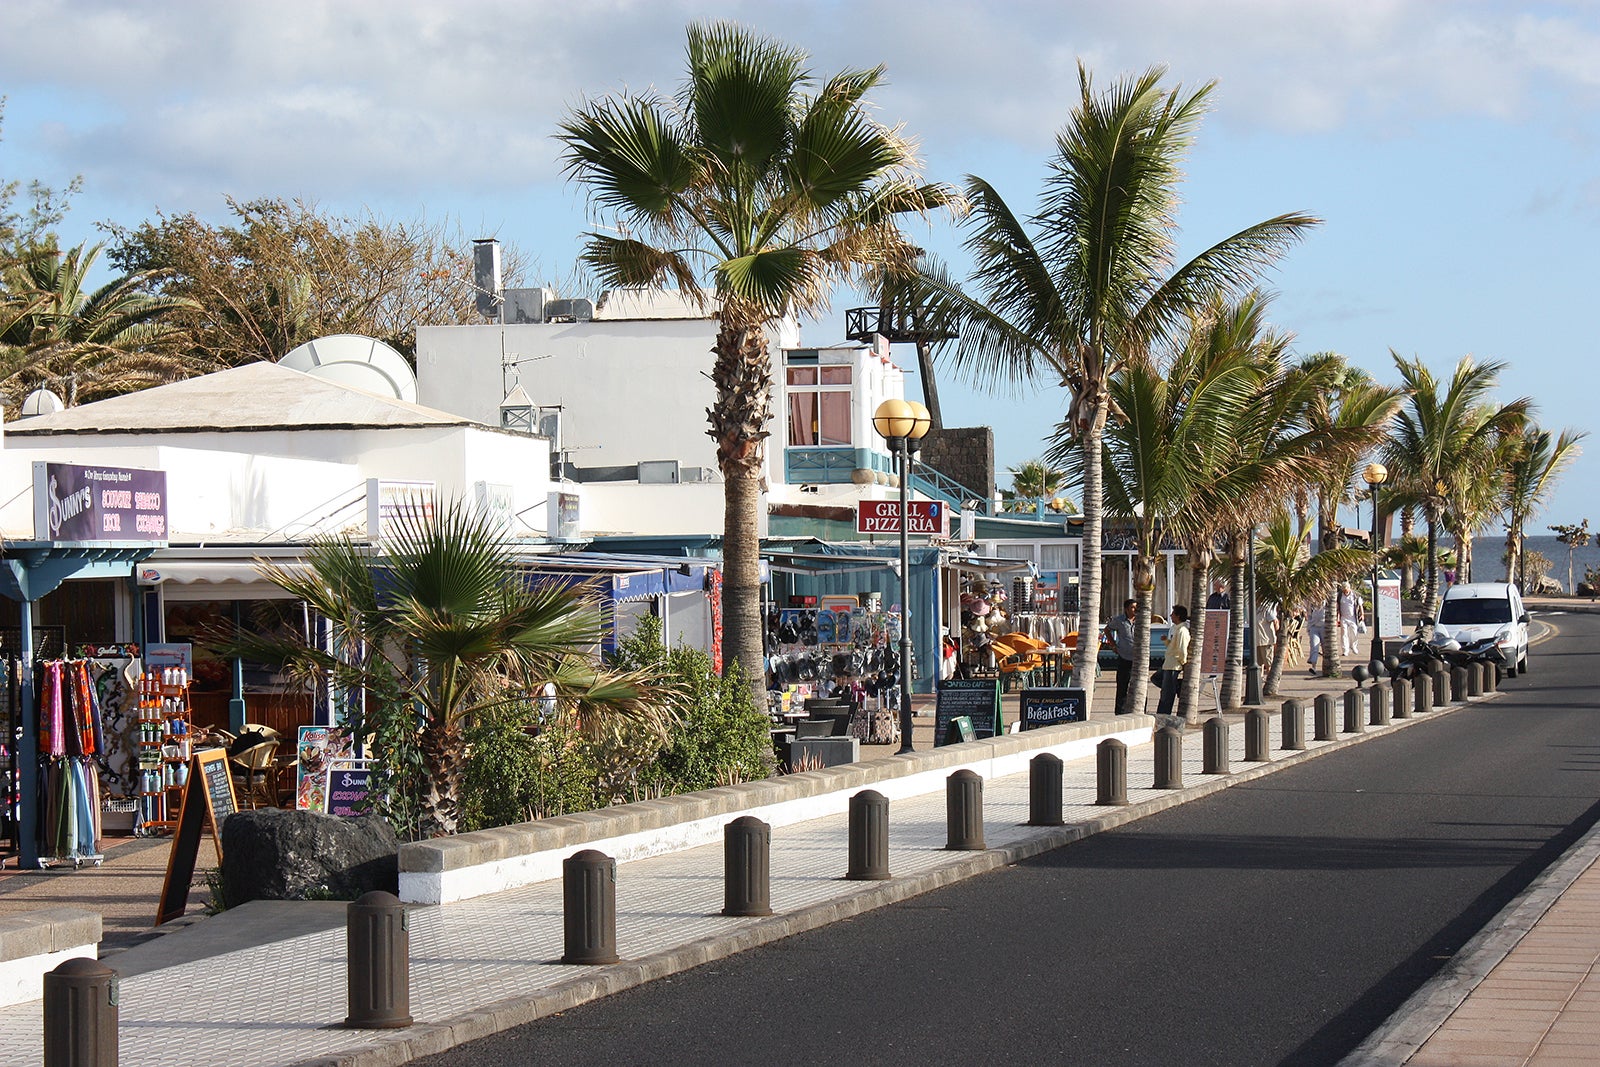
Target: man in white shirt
x,y
1350,612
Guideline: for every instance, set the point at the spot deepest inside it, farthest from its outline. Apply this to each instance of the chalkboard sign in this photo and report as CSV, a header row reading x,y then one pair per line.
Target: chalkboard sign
x,y
1051,707
207,794
959,730
976,698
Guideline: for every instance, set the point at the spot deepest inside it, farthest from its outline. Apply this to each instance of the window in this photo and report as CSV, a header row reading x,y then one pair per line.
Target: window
x,y
819,406
1058,558
1013,550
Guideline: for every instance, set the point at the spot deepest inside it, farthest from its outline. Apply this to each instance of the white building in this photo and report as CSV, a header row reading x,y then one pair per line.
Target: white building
x,y
622,390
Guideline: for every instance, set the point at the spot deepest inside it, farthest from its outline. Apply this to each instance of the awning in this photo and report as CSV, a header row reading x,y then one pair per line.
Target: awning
x,y
624,578
987,564
244,574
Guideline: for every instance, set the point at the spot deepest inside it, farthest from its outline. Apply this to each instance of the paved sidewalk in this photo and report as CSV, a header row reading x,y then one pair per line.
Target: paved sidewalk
x,y
483,965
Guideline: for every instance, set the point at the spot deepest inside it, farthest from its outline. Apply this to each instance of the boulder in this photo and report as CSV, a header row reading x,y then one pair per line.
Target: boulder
x,y
272,854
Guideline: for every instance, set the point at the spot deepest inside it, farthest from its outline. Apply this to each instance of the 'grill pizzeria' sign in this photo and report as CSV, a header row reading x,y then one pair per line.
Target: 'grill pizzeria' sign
x,y
73,503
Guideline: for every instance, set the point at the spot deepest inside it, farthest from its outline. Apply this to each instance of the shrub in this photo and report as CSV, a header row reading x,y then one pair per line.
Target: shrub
x,y
513,775
721,738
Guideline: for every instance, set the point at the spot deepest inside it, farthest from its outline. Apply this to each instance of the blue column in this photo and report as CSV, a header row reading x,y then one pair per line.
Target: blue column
x,y
28,753
236,697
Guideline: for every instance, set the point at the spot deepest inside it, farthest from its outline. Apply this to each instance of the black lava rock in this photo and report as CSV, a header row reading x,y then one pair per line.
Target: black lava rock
x,y
272,854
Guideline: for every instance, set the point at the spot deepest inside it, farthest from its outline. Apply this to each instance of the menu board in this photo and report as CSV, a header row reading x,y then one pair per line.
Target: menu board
x,y
349,783
976,698
1052,707
209,792
1214,646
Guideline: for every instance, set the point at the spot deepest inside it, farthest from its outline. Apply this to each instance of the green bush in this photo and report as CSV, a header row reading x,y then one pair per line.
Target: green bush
x,y
721,737
512,775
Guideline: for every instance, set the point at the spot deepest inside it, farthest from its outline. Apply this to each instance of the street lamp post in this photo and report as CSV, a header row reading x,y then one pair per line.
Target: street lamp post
x,y
901,422
1375,475
1252,672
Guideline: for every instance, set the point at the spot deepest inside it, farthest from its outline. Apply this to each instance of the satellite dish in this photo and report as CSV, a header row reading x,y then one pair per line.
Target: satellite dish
x,y
41,402
360,362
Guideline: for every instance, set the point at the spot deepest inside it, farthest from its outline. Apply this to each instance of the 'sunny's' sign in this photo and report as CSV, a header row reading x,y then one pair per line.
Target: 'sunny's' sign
x,y
73,503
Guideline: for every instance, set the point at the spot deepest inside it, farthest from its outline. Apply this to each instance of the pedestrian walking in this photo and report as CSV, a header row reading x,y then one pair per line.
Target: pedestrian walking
x,y
1349,619
1267,638
1177,656
1120,630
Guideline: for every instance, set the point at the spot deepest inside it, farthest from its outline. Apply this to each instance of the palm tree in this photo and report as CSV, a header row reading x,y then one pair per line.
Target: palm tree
x,y
1356,404
1070,294
752,193
1163,445
1442,440
1534,468
437,626
1287,573
1036,480
112,340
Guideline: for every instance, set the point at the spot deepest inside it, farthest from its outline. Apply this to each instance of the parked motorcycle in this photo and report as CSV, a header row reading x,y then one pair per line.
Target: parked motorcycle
x,y
1427,646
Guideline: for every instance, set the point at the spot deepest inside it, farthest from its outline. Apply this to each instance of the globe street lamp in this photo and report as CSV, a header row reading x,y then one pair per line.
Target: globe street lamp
x,y
902,423
1375,475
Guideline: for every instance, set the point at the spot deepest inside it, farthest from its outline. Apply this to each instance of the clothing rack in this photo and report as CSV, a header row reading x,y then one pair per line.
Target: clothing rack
x,y
70,742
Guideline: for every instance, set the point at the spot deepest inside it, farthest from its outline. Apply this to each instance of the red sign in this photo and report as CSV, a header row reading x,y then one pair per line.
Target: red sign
x,y
929,518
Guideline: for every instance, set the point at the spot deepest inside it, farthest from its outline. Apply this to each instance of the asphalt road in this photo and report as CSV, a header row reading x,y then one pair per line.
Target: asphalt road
x,y
1276,922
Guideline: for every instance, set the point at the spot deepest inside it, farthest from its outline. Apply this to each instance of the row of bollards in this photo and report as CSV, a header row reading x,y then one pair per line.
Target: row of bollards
x,y
80,995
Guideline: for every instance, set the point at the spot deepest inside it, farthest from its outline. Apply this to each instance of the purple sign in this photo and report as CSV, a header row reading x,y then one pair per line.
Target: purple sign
x,y
349,782
73,503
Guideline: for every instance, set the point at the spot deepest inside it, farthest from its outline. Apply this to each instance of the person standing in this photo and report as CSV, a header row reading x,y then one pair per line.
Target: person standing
x,y
1177,656
1267,639
1219,599
1349,619
1120,630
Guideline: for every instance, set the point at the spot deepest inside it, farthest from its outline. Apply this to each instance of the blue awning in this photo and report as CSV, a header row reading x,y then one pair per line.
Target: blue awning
x,y
623,578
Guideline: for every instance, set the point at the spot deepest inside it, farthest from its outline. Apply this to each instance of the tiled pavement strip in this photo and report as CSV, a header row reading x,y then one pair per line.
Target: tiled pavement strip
x,y
484,965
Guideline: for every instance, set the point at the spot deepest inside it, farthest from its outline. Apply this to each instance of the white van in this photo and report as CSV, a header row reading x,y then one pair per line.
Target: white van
x,y
1475,610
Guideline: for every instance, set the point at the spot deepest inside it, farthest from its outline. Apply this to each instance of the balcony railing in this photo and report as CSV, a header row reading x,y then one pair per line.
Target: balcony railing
x,y
837,466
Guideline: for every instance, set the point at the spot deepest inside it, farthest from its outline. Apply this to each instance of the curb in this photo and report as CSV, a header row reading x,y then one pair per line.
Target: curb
x,y
1409,1028
431,1038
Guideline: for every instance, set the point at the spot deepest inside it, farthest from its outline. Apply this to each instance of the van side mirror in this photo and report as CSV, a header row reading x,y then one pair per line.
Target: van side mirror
x,y
1523,618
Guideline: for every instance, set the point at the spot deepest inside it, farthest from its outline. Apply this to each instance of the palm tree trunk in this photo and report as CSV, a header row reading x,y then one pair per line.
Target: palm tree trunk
x,y
1233,670
1430,579
1189,691
442,760
743,377
1144,585
1091,581
1331,637
1280,649
1514,549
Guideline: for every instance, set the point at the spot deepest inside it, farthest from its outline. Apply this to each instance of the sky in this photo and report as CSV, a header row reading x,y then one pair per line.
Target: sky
x,y
1452,149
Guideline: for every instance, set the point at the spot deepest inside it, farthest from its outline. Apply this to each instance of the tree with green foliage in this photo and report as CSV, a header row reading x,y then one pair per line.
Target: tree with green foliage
x,y
83,344
1536,463
1071,293
753,190
286,272
438,626
1288,574
1574,536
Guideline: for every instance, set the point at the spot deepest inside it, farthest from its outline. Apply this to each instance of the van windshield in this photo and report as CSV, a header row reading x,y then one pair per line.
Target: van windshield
x,y
1461,611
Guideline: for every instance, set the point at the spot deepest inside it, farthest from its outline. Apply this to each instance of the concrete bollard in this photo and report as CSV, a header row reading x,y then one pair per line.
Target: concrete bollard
x,y
1400,690
1475,680
1169,758
1491,680
963,811
1422,697
1355,712
589,907
1324,712
1111,772
377,963
80,1015
1257,736
1214,738
869,837
1441,687
1382,699
1293,718
1377,710
747,867
1458,684
1044,790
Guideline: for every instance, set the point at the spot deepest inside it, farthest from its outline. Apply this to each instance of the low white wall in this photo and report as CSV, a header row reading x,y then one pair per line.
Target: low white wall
x,y
470,880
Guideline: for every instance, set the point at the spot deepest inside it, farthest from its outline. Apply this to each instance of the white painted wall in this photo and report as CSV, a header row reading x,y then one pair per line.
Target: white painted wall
x,y
276,481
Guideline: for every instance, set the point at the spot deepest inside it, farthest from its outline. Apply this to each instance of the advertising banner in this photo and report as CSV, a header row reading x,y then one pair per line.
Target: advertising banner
x,y
74,504
1388,613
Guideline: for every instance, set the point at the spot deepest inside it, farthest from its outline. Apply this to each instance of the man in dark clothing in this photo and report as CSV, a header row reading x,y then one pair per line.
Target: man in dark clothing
x,y
1121,631
1219,598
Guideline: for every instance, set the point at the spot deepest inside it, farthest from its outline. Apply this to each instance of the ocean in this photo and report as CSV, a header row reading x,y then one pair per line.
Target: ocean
x,y
1489,568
